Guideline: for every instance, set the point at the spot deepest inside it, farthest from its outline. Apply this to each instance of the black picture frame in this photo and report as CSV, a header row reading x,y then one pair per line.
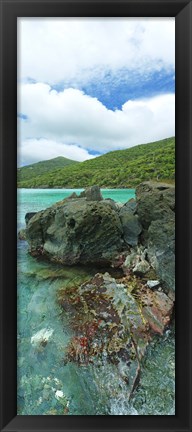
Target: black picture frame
x,y
182,11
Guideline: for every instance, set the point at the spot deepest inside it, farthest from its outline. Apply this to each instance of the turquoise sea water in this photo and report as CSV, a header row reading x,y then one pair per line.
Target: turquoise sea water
x,y
46,384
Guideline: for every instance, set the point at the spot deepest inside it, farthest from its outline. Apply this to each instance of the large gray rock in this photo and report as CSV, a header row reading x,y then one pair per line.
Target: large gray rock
x,y
154,201
131,225
155,209
88,229
76,231
161,250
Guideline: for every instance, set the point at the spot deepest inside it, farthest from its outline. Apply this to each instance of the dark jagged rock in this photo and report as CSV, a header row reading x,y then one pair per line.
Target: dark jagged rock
x,y
28,216
92,193
161,250
72,196
154,202
152,186
155,208
131,225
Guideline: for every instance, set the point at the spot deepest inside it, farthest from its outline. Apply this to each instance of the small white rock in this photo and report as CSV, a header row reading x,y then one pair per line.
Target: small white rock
x,y
58,394
152,283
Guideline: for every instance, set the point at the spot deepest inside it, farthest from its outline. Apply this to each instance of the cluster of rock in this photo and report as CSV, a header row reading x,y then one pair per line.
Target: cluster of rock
x,y
113,320
88,229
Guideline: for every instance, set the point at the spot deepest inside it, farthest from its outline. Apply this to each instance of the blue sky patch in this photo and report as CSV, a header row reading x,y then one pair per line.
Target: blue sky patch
x,y
94,152
22,116
113,90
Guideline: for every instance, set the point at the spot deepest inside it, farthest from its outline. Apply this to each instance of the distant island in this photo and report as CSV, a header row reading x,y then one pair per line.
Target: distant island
x,y
117,169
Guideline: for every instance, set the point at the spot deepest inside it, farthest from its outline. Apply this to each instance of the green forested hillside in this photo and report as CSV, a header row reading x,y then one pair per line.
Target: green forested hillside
x,y
121,168
37,169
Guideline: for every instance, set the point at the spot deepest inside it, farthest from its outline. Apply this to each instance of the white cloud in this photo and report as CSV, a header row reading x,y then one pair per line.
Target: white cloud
x,y
69,123
79,51
76,50
34,150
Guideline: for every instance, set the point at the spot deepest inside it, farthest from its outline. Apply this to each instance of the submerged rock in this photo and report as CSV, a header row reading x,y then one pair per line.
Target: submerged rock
x,y
114,323
49,396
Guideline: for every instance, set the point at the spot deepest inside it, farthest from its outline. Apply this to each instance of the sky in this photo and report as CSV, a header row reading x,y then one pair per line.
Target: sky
x,y
87,86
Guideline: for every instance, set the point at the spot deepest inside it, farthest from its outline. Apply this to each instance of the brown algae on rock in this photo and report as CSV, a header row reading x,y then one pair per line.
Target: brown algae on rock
x,y
114,323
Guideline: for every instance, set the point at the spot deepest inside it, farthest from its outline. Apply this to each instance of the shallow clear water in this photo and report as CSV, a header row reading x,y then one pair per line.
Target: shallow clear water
x,y
41,372
46,384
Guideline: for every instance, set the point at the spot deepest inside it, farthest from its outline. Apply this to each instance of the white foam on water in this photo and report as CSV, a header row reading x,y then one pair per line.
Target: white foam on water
x,y
42,335
121,406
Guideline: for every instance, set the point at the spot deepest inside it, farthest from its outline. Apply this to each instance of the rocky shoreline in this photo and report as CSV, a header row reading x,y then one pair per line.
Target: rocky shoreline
x,y
113,318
